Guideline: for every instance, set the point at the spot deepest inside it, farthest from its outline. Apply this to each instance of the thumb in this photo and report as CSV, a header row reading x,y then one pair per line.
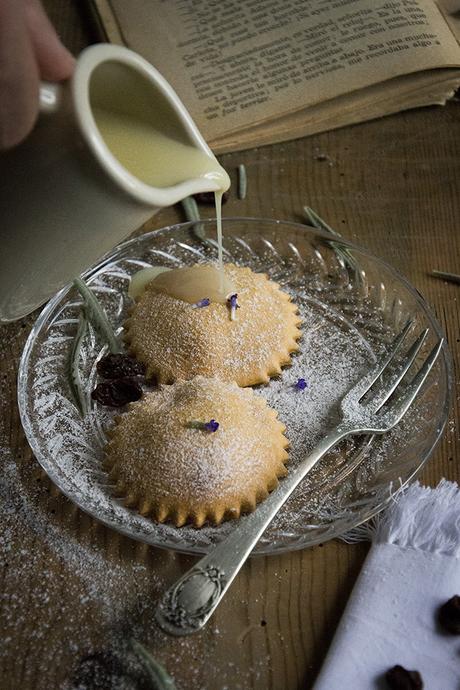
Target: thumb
x,y
18,76
55,62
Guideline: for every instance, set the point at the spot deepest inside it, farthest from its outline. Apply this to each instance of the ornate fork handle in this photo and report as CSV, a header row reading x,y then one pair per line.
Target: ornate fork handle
x,y
189,603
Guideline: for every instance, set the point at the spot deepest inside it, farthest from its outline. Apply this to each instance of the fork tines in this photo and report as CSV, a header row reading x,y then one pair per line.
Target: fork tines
x,y
388,373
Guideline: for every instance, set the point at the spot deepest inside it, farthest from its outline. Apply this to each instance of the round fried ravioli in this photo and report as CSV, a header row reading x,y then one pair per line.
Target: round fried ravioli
x,y
179,340
197,451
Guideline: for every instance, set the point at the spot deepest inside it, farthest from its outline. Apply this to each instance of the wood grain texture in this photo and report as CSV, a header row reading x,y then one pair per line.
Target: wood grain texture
x,y
75,592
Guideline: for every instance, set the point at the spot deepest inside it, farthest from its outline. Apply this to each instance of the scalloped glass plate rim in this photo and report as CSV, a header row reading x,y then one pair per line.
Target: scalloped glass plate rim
x,y
119,249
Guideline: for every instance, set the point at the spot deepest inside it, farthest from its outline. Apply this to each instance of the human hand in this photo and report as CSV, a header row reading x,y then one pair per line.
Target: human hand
x,y
30,50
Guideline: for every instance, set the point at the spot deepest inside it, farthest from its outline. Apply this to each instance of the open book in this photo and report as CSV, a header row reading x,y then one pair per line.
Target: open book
x,y
263,71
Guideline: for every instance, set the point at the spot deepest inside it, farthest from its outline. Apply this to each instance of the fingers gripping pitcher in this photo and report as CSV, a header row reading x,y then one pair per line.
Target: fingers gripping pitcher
x,y
111,146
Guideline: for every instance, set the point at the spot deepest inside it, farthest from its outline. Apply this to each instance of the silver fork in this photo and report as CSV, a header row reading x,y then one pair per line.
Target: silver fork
x,y
189,603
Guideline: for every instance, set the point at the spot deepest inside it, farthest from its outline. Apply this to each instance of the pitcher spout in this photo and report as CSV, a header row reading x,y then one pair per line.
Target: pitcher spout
x,y
140,130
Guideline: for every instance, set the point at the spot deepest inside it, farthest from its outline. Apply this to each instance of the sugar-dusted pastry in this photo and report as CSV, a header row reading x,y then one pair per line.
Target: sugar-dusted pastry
x,y
185,323
196,451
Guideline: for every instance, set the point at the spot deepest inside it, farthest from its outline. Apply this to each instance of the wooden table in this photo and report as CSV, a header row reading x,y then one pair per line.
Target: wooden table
x,y
75,592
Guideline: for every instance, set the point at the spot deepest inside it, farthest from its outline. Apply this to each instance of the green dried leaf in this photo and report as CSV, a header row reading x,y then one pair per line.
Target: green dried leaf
x,y
194,425
242,182
73,371
312,217
192,214
97,316
190,208
344,255
450,277
158,676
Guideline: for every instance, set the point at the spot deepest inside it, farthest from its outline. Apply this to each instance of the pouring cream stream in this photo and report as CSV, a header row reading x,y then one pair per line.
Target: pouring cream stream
x,y
160,160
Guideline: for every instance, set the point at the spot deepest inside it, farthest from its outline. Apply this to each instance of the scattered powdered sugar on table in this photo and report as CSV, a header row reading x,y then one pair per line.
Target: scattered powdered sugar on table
x,y
62,574
110,577
74,595
21,510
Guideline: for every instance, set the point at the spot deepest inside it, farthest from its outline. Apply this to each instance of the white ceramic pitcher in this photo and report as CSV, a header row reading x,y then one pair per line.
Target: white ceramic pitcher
x,y
65,200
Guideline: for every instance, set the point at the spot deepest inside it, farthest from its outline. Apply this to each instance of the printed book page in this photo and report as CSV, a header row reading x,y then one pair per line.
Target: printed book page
x,y
367,104
243,65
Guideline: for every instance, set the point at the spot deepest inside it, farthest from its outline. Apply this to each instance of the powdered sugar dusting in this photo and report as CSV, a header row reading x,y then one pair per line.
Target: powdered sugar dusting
x,y
74,595
174,468
43,551
176,341
342,331
87,590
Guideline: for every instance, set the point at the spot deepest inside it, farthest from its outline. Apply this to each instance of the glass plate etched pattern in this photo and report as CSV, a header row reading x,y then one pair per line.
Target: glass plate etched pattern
x,y
351,306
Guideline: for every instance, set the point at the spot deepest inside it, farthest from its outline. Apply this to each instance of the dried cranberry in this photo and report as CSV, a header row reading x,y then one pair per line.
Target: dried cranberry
x,y
117,392
117,366
208,198
449,615
399,678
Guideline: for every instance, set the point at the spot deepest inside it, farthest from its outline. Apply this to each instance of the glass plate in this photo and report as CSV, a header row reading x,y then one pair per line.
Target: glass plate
x,y
351,305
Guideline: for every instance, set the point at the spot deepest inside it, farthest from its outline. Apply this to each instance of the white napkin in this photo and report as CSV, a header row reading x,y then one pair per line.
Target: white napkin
x,y
412,568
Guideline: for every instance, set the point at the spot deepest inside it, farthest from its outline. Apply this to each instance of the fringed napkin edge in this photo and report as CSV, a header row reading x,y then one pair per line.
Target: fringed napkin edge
x,y
419,517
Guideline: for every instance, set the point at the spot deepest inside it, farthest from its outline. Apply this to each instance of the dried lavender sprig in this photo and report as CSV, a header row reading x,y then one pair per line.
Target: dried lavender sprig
x,y
312,217
194,424
232,302
192,214
242,181
158,676
344,255
450,277
190,208
75,383
210,426
205,302
96,314
301,384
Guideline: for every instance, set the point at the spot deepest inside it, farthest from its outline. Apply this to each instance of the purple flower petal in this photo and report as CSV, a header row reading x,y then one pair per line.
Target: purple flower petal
x,y
211,426
205,302
301,384
232,302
